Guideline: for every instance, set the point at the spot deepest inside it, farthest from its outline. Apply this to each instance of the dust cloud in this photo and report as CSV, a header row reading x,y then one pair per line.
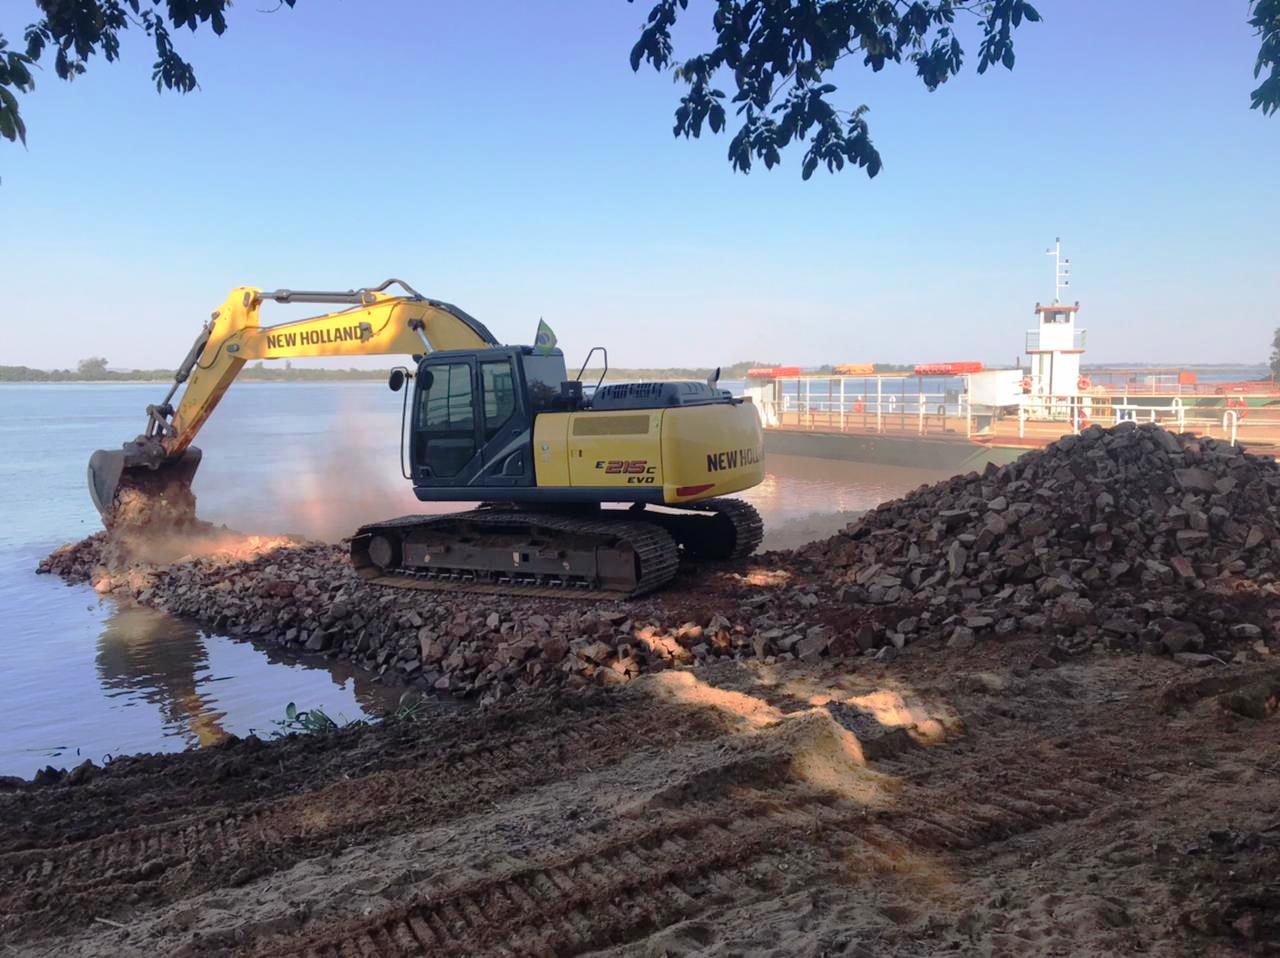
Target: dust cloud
x,y
153,521
794,533
340,480
349,476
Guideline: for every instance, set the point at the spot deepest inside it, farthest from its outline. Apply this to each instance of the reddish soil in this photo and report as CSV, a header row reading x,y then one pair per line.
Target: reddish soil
x,y
936,804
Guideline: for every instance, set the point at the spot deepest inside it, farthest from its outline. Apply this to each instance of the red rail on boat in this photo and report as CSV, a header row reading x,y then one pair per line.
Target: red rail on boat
x,y
946,369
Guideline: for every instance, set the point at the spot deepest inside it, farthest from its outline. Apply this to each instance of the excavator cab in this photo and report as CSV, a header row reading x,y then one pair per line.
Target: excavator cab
x,y
505,423
473,416
470,429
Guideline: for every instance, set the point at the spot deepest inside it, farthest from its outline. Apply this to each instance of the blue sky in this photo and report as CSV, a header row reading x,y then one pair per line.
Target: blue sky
x,y
503,156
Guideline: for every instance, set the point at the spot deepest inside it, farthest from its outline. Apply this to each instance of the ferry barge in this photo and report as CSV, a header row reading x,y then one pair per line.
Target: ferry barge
x,y
959,416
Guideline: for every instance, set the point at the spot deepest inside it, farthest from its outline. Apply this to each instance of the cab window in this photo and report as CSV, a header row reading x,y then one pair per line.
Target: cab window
x,y
446,426
497,385
446,404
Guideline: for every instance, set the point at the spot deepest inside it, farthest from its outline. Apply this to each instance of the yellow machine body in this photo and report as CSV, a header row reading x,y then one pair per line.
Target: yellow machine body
x,y
690,453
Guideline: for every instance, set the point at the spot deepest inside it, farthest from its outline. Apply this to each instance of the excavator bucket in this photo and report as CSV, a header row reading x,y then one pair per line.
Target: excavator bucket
x,y
109,469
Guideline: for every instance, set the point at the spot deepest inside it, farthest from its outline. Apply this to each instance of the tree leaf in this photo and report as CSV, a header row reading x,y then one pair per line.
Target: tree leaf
x,y
780,55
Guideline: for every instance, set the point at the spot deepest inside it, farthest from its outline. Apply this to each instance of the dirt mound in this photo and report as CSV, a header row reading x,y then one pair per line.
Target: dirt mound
x,y
1131,536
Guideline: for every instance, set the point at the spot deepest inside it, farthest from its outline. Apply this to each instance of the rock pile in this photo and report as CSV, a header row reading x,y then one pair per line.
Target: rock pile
x,y
1124,539
305,597
1131,537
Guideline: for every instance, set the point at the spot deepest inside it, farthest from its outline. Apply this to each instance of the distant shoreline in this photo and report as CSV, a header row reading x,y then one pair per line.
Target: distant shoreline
x,y
169,382
1243,371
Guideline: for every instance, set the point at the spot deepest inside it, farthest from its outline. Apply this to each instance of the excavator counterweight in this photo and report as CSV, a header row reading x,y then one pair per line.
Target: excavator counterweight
x,y
580,495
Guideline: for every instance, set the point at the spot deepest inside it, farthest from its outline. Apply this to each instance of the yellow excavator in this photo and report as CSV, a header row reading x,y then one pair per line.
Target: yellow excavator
x,y
592,495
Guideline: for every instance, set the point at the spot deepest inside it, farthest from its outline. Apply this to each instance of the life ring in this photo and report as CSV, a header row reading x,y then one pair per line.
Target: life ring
x,y
1083,384
859,406
1239,405
1026,384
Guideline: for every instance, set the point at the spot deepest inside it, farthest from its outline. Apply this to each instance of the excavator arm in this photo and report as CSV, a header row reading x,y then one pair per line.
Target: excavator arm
x,y
374,322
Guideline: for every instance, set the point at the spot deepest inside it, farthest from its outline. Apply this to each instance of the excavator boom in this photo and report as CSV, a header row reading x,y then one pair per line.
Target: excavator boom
x,y
374,322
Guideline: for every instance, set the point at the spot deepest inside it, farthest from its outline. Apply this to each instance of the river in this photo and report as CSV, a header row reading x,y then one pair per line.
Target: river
x,y
85,677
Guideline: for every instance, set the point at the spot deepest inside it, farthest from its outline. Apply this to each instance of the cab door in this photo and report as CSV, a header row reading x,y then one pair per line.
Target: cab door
x,y
446,433
471,424
505,424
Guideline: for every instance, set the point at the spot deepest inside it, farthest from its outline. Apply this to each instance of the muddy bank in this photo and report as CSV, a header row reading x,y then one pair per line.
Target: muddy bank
x,y
1113,805
1131,539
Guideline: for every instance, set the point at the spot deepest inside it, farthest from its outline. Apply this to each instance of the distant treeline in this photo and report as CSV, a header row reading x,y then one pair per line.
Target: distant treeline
x,y
734,372
257,372
95,370
25,374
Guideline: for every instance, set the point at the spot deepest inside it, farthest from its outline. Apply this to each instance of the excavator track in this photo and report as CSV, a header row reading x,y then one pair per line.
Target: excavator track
x,y
744,521
722,530
510,552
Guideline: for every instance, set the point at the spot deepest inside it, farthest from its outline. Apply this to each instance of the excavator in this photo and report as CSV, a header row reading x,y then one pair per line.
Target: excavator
x,y
595,495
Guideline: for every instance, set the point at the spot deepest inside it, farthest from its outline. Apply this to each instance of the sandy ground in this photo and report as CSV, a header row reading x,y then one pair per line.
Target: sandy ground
x,y
934,805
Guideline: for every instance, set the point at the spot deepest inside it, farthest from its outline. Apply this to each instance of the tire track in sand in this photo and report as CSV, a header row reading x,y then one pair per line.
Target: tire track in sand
x,y
636,878
162,862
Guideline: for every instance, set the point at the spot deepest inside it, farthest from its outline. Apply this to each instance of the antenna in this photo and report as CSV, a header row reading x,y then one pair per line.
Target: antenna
x,y
1061,270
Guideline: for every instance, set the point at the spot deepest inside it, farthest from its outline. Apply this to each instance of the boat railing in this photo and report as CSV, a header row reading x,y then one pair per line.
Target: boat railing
x,y
942,407
834,406
1149,390
1226,422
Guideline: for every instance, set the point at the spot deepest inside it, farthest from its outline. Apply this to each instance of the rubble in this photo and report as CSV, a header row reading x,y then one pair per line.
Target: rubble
x,y
1128,539
1131,538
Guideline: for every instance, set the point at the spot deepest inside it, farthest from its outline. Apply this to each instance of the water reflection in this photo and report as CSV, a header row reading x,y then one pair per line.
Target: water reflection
x,y
205,687
162,660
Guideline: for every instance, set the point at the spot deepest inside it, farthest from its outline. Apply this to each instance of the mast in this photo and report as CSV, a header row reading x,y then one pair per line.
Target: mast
x,y
1061,270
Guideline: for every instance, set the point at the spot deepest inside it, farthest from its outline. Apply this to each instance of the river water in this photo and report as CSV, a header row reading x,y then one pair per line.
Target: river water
x,y
83,677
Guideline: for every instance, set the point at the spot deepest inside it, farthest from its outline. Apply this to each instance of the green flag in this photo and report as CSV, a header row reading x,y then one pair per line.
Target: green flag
x,y
545,341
